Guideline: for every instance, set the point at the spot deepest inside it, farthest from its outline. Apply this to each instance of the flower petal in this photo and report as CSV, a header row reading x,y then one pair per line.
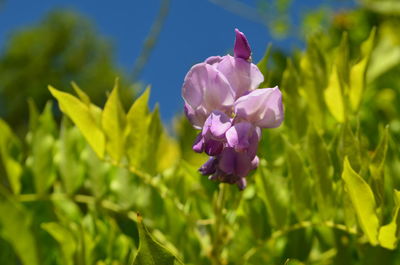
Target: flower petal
x,y
263,107
195,117
213,147
234,163
213,60
209,167
241,75
198,145
241,48
216,124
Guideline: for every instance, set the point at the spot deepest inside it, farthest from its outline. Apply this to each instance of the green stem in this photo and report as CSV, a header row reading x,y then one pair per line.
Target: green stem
x,y
219,222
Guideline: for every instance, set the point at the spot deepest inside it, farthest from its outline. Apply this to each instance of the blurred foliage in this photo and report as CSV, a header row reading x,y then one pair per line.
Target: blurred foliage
x,y
326,190
61,48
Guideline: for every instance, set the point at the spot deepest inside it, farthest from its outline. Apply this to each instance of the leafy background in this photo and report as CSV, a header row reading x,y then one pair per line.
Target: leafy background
x,y
84,184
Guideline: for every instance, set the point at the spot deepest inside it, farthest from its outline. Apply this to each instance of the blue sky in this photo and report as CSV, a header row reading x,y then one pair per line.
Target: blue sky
x,y
193,31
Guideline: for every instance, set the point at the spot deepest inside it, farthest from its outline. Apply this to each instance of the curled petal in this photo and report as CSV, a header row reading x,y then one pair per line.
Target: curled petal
x,y
213,60
241,48
216,124
241,75
196,117
263,107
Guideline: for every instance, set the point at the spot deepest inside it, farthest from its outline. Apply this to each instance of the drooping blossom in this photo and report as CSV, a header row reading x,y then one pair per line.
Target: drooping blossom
x,y
223,101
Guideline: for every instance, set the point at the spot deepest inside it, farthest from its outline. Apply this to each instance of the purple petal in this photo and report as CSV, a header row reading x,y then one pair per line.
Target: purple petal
x,y
255,162
204,85
238,135
192,90
209,167
196,118
216,124
213,147
242,47
263,107
198,145
241,75
244,137
234,163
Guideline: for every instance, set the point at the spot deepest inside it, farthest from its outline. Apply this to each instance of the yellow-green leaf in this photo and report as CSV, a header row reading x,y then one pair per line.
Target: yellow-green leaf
x,y
151,252
358,72
16,228
114,122
334,96
136,130
363,202
9,146
83,118
65,238
388,234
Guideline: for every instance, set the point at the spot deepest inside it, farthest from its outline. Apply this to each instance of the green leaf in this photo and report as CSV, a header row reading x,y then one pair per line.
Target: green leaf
x,y
151,252
272,190
83,117
65,238
349,145
15,227
363,202
322,170
359,70
137,129
114,122
70,163
153,141
376,167
389,234
300,183
42,153
9,152
333,95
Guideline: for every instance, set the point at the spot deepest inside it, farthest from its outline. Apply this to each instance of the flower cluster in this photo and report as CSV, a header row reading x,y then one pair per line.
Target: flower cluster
x,y
222,100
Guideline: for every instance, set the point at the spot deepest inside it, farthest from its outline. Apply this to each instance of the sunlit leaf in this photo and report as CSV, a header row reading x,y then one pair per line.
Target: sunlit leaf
x,y
84,119
358,72
333,95
15,227
114,122
137,130
389,234
9,152
363,202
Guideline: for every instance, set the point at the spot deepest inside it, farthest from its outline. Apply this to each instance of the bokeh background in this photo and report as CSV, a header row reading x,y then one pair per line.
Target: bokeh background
x,y
150,42
74,171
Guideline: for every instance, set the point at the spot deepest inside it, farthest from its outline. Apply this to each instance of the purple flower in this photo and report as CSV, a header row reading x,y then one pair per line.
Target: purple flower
x,y
222,99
